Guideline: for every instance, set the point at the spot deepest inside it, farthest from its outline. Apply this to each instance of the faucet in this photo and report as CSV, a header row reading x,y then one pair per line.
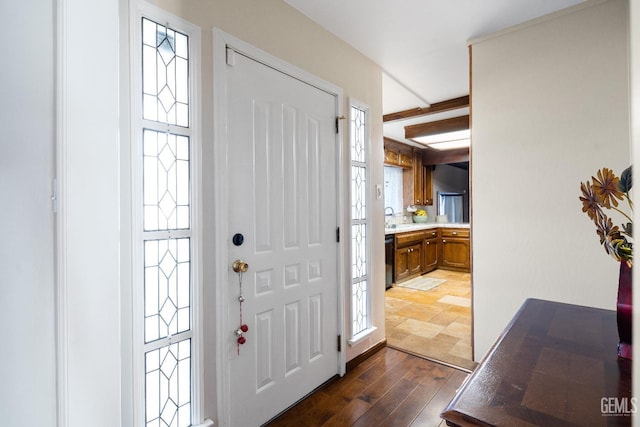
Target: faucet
x,y
387,223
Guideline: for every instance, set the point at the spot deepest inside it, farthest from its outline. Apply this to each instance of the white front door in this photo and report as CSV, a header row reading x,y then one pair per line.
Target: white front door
x,y
282,198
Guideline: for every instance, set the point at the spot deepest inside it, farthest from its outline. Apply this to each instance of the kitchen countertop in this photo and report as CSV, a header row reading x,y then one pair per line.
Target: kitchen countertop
x,y
402,228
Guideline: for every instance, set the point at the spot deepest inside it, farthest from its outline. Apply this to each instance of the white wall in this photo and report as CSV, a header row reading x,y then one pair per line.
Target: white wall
x,y
88,120
550,108
27,359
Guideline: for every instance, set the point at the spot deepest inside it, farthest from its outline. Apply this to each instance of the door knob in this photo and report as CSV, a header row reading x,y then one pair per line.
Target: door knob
x,y
240,266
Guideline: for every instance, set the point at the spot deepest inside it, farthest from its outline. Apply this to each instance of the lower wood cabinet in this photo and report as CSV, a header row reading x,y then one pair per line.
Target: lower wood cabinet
x,y
456,249
420,252
409,259
430,255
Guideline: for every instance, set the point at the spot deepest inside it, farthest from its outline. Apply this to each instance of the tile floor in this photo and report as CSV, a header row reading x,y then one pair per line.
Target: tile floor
x,y
434,323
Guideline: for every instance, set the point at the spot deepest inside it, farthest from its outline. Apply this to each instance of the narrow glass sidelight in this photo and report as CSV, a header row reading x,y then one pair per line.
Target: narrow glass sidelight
x,y
164,197
360,293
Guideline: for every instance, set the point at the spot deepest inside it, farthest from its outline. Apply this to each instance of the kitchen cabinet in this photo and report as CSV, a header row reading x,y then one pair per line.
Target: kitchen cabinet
x,y
431,252
418,178
408,262
427,185
409,255
456,249
422,181
398,154
391,157
398,158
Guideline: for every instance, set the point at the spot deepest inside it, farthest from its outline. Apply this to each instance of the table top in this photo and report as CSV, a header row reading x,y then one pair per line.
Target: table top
x,y
554,365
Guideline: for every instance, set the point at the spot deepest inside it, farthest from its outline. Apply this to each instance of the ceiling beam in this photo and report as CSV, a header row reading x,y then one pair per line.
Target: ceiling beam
x,y
439,126
431,156
438,107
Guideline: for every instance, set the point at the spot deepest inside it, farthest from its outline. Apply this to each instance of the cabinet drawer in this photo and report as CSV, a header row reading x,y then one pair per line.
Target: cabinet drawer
x,y
454,232
431,234
406,238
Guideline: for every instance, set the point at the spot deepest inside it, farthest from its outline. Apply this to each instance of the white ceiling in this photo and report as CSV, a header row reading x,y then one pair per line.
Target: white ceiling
x,y
420,44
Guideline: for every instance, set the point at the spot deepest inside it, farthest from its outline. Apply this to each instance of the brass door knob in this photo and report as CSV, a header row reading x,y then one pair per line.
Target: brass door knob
x,y
240,266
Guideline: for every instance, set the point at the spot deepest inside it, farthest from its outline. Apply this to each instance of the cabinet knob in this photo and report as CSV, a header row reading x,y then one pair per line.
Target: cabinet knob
x,y
454,233
444,241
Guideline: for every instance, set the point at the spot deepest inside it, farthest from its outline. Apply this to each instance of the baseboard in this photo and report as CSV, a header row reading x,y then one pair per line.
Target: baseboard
x,y
367,354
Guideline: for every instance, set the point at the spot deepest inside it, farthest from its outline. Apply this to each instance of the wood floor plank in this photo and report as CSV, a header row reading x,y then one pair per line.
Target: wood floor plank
x,y
435,377
393,397
391,388
430,415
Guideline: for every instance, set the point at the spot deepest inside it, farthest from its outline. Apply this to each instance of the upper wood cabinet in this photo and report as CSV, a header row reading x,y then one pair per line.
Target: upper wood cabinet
x,y
427,185
398,154
391,157
422,181
417,177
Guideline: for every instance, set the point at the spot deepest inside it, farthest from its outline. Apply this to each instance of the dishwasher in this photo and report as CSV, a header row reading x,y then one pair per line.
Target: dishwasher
x,y
388,260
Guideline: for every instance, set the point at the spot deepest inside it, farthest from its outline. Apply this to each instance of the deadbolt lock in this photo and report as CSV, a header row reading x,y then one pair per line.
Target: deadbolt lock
x,y
240,266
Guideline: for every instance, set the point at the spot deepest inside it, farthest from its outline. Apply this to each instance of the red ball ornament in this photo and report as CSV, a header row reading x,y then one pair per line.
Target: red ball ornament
x,y
242,340
244,328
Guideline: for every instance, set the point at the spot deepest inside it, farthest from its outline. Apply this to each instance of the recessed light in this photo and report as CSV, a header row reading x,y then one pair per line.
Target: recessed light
x,y
444,137
450,145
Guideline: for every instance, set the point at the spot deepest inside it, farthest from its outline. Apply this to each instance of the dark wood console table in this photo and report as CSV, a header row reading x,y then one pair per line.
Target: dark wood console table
x,y
553,366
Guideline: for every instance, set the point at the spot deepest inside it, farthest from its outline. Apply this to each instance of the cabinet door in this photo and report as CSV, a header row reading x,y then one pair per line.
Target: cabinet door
x,y
427,185
418,176
456,253
406,160
408,262
402,264
430,255
391,157
415,259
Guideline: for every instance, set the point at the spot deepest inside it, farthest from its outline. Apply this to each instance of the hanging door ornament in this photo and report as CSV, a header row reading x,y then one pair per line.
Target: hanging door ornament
x,y
240,267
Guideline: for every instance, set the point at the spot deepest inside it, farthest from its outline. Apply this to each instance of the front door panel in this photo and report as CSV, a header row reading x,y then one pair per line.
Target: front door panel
x,y
282,198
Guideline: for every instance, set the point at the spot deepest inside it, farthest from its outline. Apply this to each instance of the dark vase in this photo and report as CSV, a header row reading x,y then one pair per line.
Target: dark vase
x,y
624,311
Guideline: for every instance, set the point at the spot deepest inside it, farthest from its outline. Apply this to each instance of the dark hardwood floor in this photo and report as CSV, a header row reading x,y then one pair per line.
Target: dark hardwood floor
x,y
391,388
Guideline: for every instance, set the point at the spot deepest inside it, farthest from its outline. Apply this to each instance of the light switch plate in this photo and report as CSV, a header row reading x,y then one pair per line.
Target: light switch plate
x,y
378,191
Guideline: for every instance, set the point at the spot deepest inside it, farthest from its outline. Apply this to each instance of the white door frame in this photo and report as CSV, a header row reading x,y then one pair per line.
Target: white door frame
x,y
221,41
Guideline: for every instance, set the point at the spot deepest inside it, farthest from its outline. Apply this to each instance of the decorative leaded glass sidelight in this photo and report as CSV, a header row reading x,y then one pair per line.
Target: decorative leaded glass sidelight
x,y
163,163
168,385
165,79
359,239
166,181
167,278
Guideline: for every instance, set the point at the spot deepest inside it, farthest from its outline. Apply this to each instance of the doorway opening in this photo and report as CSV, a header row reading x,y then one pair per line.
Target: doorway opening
x,y
429,294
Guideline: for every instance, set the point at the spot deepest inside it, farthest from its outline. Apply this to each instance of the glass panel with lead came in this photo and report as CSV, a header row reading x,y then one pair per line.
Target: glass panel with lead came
x,y
167,287
166,187
165,74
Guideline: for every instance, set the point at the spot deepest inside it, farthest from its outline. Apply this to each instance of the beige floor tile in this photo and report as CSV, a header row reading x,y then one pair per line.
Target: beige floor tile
x,y
461,349
420,328
455,300
434,323
458,330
